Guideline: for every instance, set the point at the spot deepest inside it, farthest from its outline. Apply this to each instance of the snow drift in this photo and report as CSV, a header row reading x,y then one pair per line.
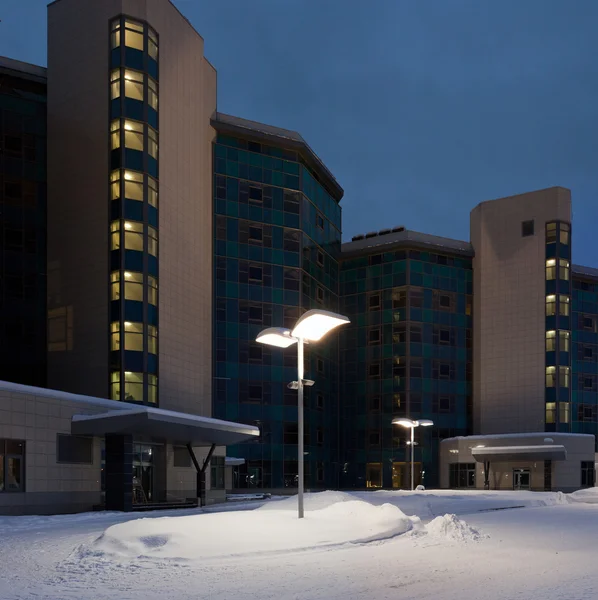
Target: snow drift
x,y
331,519
452,528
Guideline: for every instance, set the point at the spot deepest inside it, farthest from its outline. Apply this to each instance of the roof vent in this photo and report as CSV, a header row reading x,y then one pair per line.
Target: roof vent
x,y
371,234
398,229
356,238
384,231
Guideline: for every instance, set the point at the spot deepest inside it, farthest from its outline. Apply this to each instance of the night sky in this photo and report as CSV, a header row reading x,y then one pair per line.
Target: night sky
x,y
420,108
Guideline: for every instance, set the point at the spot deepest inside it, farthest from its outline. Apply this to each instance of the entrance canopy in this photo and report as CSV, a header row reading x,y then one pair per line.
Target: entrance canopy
x,y
168,425
513,453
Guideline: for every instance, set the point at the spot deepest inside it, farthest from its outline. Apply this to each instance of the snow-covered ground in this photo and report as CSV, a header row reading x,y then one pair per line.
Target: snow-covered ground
x,y
377,545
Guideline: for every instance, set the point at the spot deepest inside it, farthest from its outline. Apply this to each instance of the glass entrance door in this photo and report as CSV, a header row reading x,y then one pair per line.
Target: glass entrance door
x,y
521,479
143,473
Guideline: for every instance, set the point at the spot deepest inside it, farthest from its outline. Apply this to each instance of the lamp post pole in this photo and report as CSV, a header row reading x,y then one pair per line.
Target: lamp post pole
x,y
301,457
412,450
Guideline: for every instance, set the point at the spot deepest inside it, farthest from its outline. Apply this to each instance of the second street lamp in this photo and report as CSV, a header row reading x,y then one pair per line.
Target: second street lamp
x,y
411,424
312,326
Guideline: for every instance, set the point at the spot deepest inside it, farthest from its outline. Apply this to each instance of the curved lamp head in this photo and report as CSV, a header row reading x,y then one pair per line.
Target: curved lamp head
x,y
276,336
315,324
404,423
425,422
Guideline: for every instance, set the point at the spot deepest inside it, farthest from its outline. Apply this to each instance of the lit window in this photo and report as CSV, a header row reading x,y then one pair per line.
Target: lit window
x,y
152,339
550,341
564,341
115,235
152,147
153,93
550,305
134,135
551,412
550,233
115,185
152,390
115,84
563,269
133,283
115,34
564,376
115,134
152,241
115,336
152,191
564,412
152,44
153,291
115,385
564,306
564,233
134,236
550,269
134,185
133,35
133,387
134,336
550,377
133,84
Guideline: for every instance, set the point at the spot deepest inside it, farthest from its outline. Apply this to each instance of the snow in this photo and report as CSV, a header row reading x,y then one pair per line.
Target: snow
x,y
376,545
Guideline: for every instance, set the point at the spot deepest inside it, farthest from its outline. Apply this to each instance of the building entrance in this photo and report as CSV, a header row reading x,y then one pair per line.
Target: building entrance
x,y
521,479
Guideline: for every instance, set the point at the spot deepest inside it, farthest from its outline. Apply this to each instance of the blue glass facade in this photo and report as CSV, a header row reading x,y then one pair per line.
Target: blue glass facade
x,y
277,241
406,353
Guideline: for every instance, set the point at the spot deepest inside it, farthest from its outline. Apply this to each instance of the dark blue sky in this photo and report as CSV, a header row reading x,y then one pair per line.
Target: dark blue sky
x,y
420,108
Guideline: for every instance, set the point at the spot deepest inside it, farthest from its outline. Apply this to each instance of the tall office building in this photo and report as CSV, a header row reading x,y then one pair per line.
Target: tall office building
x,y
129,204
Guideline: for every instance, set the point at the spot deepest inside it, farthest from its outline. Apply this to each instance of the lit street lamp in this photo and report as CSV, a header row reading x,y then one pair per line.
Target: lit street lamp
x,y
312,326
411,424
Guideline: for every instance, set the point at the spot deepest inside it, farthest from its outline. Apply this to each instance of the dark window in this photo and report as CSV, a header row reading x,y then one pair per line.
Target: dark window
x,y
527,228
415,369
415,334
319,401
319,294
320,221
374,336
320,473
255,313
255,393
588,383
374,370
12,466
181,456
74,449
13,190
444,371
587,473
587,352
588,323
320,365
374,302
374,438
255,194
217,473
255,353
462,475
444,301
255,273
319,436
255,234
290,434
291,241
320,258
375,403
444,336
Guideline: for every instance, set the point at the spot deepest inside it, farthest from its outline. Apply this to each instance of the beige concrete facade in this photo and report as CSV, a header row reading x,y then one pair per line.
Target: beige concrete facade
x,y
565,474
78,200
509,292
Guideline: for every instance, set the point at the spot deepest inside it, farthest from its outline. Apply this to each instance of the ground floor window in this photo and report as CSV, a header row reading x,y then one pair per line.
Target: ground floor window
x,y
373,475
217,473
462,475
12,466
587,473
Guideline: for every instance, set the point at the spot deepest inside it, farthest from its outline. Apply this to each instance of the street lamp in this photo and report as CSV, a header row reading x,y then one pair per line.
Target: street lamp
x,y
312,326
411,424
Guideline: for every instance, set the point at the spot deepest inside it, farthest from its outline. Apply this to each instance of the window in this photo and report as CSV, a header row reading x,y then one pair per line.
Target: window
x,y
462,475
550,341
74,449
374,336
134,84
444,371
290,434
133,285
588,353
152,43
550,413
133,386
564,411
152,93
320,401
588,471
320,473
320,221
444,301
152,191
374,370
320,294
564,306
564,375
115,34
115,336
152,143
152,339
217,473
133,336
588,323
255,194
152,290
527,228
133,185
550,305
255,353
133,135
290,241
319,436
373,475
320,365
320,258
115,84
375,404
133,35
374,302
152,246
564,340
563,269
588,383
550,269
444,336
254,314
152,388
181,456
115,134
12,466
255,234
550,233
374,439
550,377
255,273
565,230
